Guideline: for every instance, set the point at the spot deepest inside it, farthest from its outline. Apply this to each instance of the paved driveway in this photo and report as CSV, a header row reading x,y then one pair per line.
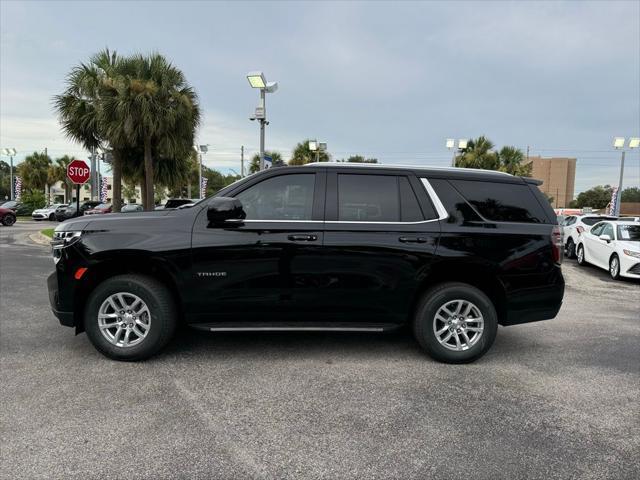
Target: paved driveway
x,y
556,399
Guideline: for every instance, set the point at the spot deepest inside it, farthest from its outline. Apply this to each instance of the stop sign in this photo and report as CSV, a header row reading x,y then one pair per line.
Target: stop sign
x,y
78,172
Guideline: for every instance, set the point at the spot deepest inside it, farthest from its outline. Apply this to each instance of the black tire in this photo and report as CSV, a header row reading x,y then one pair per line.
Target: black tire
x,y
8,220
161,307
52,217
432,300
580,255
571,248
614,269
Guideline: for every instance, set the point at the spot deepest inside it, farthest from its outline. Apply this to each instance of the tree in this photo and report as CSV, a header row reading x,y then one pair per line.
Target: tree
x,y
80,110
631,194
5,180
303,155
156,108
597,197
58,173
276,158
511,161
478,154
34,171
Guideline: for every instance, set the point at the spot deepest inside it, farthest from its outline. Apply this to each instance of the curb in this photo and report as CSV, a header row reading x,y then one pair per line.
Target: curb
x,y
40,239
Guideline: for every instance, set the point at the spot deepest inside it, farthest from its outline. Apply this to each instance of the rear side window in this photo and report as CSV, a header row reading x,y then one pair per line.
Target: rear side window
x,y
409,206
502,202
593,220
368,198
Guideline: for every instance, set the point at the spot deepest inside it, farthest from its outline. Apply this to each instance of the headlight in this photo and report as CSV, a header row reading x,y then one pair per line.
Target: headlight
x,y
65,238
631,253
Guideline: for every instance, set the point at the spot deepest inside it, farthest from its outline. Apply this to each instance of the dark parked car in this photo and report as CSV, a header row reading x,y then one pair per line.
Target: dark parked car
x,y
7,216
452,253
66,212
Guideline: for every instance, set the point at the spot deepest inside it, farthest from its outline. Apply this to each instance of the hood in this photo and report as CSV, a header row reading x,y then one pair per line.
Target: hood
x,y
114,221
629,245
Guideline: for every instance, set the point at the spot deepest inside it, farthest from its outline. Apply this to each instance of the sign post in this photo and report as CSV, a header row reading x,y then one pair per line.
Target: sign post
x,y
78,173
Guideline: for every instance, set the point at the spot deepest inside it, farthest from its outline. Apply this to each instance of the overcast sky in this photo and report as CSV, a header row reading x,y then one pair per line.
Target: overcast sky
x,y
387,80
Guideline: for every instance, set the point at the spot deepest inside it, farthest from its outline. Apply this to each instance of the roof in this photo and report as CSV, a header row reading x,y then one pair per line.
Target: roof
x,y
431,171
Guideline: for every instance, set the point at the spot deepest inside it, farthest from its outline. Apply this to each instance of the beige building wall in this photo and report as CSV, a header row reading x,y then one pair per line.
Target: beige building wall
x,y
558,176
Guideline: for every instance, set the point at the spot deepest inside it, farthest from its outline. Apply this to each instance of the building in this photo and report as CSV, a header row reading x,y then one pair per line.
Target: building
x,y
558,175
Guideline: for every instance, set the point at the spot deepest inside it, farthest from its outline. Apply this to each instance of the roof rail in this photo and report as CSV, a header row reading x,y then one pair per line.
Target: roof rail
x,y
398,165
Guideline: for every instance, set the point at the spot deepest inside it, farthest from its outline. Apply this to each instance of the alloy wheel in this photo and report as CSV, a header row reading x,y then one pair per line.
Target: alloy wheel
x,y
124,319
614,267
458,325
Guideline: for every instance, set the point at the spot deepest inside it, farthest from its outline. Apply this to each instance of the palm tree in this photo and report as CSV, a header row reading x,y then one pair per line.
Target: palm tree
x,y
478,154
511,161
58,173
254,166
34,171
80,110
302,154
153,107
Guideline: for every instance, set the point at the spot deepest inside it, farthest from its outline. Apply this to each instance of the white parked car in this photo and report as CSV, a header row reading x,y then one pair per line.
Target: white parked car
x,y
574,226
614,246
46,213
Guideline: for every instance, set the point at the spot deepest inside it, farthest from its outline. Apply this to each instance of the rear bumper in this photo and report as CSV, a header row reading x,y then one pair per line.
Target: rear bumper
x,y
65,317
535,303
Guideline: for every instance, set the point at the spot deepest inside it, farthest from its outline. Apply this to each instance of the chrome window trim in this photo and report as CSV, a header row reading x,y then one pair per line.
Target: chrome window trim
x,y
442,212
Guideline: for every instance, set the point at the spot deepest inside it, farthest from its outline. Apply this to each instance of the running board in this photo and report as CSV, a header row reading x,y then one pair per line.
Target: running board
x,y
293,327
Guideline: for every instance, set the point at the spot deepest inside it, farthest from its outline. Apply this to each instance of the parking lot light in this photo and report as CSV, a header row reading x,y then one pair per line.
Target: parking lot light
x,y
256,79
634,142
618,142
10,152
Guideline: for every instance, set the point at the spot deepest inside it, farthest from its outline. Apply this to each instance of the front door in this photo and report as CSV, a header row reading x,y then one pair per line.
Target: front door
x,y
251,270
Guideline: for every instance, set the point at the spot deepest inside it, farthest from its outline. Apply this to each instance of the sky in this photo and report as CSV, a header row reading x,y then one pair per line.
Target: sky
x,y
390,80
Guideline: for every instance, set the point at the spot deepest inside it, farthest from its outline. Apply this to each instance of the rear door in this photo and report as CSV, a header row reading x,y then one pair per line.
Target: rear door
x,y
381,234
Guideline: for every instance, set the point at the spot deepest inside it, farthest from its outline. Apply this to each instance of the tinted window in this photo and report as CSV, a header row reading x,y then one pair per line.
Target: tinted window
x,y
629,232
593,220
409,206
286,197
502,202
368,198
597,229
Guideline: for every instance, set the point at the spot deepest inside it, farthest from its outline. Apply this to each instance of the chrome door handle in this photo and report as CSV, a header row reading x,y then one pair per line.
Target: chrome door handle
x,y
302,238
412,240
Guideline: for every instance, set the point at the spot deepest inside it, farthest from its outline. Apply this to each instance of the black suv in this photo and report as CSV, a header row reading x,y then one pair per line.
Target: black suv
x,y
451,253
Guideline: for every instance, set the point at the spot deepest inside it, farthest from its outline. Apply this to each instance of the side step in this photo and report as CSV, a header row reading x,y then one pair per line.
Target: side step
x,y
294,327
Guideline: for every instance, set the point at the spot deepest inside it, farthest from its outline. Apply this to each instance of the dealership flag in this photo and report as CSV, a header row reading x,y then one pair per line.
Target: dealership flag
x,y
203,187
103,190
614,201
18,188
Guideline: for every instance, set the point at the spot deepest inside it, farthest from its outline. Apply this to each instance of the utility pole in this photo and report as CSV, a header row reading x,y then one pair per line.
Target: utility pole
x,y
619,195
242,161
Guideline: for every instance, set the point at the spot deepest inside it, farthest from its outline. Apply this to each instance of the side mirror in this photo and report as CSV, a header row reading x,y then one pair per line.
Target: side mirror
x,y
605,238
222,209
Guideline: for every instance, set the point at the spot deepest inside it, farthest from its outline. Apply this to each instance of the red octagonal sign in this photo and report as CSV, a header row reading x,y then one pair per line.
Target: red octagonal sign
x,y
78,172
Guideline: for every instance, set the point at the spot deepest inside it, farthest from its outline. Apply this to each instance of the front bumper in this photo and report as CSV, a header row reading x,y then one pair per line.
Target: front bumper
x,y
66,317
629,267
39,216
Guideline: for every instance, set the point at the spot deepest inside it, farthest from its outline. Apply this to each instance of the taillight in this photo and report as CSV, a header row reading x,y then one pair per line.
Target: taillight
x,y
556,243
580,230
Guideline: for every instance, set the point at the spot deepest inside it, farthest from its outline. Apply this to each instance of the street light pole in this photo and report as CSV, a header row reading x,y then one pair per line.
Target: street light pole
x,y
258,80
619,196
618,144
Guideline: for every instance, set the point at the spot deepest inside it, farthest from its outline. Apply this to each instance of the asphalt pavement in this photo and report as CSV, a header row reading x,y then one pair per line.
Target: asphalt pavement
x,y
553,399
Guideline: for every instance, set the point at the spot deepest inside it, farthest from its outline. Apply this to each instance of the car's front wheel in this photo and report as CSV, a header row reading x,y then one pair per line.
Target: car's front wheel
x,y
580,255
8,220
455,323
52,217
614,267
130,317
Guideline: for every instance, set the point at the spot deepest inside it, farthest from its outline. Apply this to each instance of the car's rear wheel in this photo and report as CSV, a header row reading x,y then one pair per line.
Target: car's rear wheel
x,y
8,220
580,255
455,323
130,317
571,248
614,267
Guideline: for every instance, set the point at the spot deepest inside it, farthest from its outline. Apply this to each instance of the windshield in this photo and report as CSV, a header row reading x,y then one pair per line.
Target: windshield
x,y
629,232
